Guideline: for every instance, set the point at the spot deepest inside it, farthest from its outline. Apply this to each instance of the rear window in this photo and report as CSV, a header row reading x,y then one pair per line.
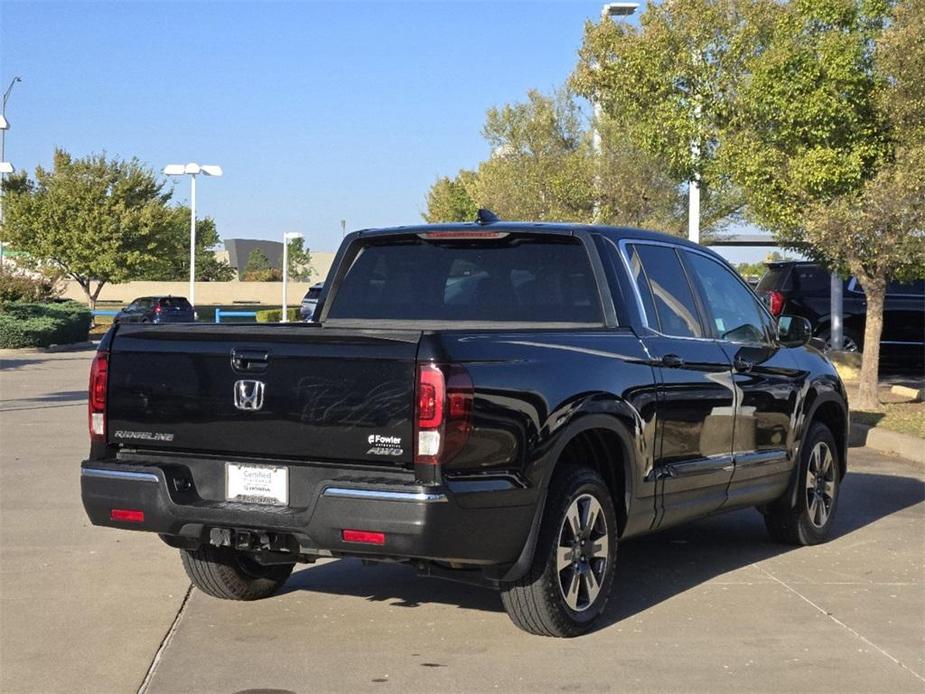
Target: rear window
x,y
811,278
516,279
775,279
176,302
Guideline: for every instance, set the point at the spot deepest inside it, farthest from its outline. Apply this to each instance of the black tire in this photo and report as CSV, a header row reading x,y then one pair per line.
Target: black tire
x,y
809,521
231,575
537,602
850,341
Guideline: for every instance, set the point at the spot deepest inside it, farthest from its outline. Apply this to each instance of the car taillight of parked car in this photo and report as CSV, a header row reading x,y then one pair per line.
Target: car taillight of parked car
x,y
99,385
443,413
775,303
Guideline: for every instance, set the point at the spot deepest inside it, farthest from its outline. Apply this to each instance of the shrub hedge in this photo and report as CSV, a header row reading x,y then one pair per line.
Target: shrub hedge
x,y
273,315
24,324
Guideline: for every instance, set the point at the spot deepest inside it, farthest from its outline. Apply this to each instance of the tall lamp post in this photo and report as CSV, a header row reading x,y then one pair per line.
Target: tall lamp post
x,y
608,11
5,166
286,239
192,170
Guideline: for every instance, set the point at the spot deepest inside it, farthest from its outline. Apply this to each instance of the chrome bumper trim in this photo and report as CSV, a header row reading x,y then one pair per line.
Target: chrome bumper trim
x,y
383,495
119,475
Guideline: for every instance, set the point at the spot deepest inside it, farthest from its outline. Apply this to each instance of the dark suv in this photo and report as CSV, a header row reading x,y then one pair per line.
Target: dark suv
x,y
157,309
804,289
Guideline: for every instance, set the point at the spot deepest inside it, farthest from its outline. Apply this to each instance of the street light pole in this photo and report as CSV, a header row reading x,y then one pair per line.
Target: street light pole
x,y
192,170
192,241
611,9
286,239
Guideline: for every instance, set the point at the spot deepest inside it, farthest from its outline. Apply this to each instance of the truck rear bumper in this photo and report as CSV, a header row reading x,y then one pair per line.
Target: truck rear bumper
x,y
476,522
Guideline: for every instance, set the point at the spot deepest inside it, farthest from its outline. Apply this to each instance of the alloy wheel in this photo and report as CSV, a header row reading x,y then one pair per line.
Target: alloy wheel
x,y
582,552
820,484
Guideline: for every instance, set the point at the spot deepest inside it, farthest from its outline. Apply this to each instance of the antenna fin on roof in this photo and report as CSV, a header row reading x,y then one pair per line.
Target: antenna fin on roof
x,y
485,216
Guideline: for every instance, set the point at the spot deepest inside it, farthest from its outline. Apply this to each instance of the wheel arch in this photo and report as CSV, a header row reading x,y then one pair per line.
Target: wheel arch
x,y
829,408
605,441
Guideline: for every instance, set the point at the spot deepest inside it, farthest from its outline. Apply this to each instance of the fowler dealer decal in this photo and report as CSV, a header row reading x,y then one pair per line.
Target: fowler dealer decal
x,y
143,435
384,445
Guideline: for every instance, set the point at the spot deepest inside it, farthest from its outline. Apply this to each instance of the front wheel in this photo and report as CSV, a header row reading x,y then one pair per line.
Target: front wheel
x,y
567,587
809,520
232,575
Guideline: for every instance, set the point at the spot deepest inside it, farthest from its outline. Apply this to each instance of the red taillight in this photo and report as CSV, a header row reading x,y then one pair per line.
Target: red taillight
x,y
96,406
365,536
443,414
158,308
127,515
431,394
775,303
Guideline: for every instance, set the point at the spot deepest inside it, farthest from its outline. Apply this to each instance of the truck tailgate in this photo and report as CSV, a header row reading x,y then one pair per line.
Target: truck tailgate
x,y
300,391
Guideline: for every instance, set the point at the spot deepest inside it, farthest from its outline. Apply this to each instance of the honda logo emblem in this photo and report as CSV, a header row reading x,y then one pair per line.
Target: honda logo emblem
x,y
248,395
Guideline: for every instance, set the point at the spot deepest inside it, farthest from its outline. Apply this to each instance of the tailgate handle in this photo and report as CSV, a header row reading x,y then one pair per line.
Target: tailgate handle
x,y
250,361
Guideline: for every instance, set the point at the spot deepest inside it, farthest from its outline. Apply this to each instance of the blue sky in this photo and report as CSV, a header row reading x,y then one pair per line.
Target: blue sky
x,y
316,111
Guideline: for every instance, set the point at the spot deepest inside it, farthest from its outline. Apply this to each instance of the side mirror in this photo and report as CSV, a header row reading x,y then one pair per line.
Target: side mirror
x,y
793,331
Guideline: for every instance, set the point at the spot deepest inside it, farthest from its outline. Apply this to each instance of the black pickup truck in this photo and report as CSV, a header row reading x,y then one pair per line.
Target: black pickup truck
x,y
498,402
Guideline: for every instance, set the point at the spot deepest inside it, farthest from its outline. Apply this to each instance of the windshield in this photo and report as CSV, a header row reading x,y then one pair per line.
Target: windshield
x,y
516,279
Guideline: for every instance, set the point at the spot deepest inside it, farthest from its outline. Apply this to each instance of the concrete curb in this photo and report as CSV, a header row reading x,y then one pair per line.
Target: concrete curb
x,y
73,347
886,441
914,394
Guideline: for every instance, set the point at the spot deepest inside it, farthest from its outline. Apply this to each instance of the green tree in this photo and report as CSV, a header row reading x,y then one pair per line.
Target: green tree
x,y
828,146
299,261
173,264
450,199
258,268
543,167
671,86
99,220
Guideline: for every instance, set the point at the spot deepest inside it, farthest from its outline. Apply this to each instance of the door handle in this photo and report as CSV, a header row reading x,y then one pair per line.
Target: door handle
x,y
672,361
741,364
249,360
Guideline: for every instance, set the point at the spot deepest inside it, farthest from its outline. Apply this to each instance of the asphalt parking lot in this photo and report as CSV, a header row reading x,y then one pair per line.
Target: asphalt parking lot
x,y
710,607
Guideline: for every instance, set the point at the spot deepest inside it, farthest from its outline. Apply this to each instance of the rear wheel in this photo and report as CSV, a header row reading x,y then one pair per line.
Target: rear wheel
x,y
809,521
231,575
850,341
568,584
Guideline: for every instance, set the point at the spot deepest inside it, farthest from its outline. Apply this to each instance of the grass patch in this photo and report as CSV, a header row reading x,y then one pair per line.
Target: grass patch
x,y
903,417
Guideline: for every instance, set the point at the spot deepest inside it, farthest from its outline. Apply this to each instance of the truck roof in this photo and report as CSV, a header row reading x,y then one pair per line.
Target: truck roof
x,y
615,233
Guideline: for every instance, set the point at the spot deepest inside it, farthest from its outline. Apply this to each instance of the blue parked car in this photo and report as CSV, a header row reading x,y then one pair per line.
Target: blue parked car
x,y
157,309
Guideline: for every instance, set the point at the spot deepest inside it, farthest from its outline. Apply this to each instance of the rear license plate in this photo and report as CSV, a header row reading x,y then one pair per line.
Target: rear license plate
x,y
257,484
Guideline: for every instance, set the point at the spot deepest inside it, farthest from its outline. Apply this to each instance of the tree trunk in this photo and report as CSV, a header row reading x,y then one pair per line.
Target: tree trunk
x,y
91,298
875,290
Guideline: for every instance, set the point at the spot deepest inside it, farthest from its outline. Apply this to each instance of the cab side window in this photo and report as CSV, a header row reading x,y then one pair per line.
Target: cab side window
x,y
734,311
666,294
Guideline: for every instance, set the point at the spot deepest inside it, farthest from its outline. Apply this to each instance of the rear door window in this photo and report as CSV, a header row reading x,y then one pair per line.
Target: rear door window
x,y
914,288
663,285
535,279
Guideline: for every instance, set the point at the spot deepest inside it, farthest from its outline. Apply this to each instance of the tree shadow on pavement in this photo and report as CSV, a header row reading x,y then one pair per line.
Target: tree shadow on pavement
x,y
650,570
13,364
